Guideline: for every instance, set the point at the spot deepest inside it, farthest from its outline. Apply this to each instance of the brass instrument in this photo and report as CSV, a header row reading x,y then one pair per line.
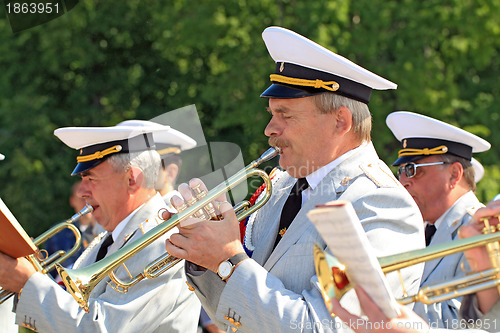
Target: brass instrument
x,y
334,281
81,281
44,263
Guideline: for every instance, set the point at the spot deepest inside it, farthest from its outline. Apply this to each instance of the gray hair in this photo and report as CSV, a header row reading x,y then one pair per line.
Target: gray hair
x,y
361,116
148,161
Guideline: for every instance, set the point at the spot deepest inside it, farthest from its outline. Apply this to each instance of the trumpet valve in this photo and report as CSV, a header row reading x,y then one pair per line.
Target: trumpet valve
x,y
200,194
491,224
208,211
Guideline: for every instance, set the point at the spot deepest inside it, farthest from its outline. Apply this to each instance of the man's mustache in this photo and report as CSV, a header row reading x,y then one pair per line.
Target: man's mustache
x,y
278,142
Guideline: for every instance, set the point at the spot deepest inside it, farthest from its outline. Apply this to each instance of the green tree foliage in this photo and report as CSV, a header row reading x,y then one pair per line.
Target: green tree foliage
x,y
105,61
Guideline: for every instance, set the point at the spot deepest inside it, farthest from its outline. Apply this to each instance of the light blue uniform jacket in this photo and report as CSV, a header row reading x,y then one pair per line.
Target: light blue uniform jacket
x,y
164,304
7,317
277,290
472,320
472,317
445,314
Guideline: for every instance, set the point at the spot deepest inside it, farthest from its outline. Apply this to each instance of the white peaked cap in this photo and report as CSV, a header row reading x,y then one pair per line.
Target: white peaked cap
x,y
80,137
168,137
478,170
297,57
422,136
96,144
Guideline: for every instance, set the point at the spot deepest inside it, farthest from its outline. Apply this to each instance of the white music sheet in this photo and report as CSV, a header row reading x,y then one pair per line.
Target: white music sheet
x,y
342,232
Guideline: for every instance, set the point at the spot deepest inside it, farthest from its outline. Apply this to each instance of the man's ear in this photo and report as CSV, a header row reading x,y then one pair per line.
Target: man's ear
x,y
344,120
172,171
456,173
135,178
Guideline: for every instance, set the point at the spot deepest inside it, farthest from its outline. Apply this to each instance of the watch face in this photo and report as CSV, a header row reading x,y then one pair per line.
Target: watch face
x,y
224,269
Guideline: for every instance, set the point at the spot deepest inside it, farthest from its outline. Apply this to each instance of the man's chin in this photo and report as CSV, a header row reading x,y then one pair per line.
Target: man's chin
x,y
291,170
96,214
283,164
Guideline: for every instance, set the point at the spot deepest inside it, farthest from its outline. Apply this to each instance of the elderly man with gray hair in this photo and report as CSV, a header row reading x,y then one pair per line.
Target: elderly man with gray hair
x,y
119,168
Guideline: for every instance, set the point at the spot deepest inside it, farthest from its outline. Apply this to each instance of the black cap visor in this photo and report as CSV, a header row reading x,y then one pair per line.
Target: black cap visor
x,y
284,91
85,166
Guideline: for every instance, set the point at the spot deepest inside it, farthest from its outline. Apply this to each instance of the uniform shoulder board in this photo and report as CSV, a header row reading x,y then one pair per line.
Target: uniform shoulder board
x,y
381,175
149,224
472,210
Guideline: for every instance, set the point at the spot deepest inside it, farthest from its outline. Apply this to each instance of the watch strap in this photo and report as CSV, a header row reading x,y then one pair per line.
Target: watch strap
x,y
237,258
233,261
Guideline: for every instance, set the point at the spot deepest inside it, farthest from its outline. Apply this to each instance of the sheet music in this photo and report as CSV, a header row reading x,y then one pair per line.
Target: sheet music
x,y
342,232
14,241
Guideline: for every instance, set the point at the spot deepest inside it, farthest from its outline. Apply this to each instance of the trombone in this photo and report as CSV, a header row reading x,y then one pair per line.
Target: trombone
x,y
44,263
333,277
81,281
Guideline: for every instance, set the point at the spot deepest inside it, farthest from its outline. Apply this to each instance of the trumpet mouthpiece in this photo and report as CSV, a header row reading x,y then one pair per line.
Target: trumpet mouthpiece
x,y
269,154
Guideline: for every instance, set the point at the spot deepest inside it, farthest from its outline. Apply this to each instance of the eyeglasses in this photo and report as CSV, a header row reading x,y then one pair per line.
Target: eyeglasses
x,y
410,169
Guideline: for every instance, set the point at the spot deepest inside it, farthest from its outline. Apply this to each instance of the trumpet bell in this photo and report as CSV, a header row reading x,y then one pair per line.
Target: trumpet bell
x,y
76,283
332,276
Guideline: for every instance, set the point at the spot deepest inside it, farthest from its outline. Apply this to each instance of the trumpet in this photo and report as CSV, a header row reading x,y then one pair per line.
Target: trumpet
x,y
44,263
81,281
333,277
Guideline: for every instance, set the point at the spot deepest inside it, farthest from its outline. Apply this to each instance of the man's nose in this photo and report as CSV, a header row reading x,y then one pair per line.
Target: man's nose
x,y
405,181
273,128
82,190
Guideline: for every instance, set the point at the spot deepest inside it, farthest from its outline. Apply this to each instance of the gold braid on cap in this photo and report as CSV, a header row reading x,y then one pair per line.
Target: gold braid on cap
x,y
328,85
99,154
171,150
425,151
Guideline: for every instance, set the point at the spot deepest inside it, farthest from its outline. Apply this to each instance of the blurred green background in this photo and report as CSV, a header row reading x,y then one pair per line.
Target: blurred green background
x,y
106,61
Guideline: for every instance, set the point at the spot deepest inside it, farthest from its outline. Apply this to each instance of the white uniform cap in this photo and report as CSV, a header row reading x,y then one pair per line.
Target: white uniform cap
x,y
305,68
2,157
168,141
478,170
96,144
80,137
422,136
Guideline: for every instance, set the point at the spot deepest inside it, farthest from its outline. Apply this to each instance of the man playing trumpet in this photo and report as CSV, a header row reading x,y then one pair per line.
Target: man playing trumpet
x,y
321,123
119,169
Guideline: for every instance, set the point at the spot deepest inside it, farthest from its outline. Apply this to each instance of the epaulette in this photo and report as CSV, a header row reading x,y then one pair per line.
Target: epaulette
x,y
382,177
152,222
472,210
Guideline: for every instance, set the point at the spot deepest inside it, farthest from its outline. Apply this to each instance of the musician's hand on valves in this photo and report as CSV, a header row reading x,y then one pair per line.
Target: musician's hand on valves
x,y
491,212
201,239
14,272
478,257
376,321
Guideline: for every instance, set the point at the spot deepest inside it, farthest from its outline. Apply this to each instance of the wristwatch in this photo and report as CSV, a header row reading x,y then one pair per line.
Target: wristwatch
x,y
227,267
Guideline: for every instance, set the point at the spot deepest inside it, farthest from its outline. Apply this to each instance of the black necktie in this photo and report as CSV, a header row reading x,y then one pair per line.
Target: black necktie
x,y
430,229
291,207
104,247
